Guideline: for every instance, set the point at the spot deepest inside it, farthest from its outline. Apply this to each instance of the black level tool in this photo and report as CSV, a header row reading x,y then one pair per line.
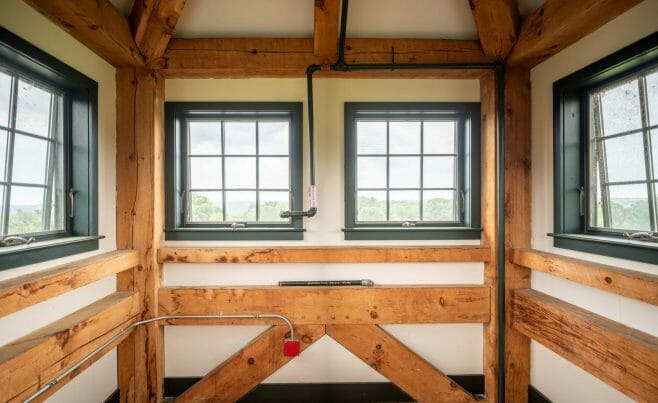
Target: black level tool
x,y
367,283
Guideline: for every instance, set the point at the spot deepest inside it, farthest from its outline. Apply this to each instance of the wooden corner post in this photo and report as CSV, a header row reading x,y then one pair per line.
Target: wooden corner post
x,y
140,212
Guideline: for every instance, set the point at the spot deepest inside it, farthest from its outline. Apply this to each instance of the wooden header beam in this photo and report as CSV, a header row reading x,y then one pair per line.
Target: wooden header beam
x,y
153,22
21,292
629,283
428,254
335,305
97,24
560,23
497,22
289,57
622,357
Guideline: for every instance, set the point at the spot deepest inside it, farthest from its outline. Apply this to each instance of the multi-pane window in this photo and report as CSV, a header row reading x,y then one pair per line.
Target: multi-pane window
x,y
408,165
623,157
31,156
240,168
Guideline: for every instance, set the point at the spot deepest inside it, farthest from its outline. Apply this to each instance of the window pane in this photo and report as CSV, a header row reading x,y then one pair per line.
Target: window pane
x,y
205,207
30,157
371,206
439,205
25,210
273,173
629,207
625,158
404,205
370,137
240,138
405,172
5,96
240,173
205,173
652,93
439,172
621,108
654,152
273,138
33,109
3,154
404,138
371,172
205,138
240,206
2,197
271,204
439,137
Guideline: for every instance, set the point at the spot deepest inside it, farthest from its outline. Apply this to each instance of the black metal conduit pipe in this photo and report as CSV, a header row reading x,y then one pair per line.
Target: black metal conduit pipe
x,y
499,71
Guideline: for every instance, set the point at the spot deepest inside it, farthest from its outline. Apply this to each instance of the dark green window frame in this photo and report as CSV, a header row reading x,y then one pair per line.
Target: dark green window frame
x,y
467,116
177,114
80,112
571,154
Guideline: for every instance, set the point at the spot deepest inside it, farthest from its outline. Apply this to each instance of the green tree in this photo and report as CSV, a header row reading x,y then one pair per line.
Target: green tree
x,y
202,210
24,222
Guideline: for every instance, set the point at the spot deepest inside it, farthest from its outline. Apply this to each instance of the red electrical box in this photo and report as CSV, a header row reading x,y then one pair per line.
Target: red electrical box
x,y
291,348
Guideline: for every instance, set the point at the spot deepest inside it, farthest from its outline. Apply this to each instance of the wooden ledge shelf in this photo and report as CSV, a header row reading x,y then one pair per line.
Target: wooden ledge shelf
x,y
629,283
333,305
23,291
466,253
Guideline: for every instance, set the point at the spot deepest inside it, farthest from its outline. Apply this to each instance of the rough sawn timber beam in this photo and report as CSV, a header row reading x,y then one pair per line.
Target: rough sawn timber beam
x,y
406,369
335,305
497,22
153,22
325,35
252,364
97,24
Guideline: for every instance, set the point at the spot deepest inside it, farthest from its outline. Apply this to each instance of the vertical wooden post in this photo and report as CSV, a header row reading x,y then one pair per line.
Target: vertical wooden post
x,y
140,215
489,235
517,224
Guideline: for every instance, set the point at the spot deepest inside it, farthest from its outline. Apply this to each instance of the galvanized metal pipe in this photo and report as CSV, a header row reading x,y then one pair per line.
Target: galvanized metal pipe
x,y
117,336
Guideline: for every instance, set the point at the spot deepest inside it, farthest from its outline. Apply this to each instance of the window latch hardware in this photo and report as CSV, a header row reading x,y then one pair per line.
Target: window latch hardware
x,y
237,225
183,203
642,236
408,224
462,201
16,240
71,195
581,200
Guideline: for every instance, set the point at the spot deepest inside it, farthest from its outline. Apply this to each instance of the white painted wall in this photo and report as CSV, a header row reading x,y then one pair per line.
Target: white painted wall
x,y
99,381
556,377
455,348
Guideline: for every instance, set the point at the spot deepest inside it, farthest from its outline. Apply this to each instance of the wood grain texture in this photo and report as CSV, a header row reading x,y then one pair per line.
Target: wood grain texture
x,y
629,283
517,224
489,230
97,24
247,368
153,23
25,361
497,22
474,253
140,215
336,305
325,35
406,369
23,291
560,23
624,358
289,57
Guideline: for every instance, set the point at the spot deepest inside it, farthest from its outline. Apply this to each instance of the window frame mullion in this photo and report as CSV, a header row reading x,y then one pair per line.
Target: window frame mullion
x,y
648,160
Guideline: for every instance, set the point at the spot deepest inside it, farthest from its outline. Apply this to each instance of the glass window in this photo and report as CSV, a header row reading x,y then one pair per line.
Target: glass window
x,y
407,167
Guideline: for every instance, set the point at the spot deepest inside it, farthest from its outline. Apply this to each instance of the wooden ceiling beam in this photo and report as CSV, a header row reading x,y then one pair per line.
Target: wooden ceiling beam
x,y
560,23
497,22
153,22
97,24
325,36
289,57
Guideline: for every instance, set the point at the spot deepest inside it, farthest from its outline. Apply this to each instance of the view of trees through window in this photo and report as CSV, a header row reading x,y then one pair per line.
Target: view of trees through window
x,y
624,154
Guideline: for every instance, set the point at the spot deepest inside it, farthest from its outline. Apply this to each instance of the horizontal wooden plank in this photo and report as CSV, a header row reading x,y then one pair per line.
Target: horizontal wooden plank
x,y
624,358
289,57
629,283
336,305
23,361
20,292
474,253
